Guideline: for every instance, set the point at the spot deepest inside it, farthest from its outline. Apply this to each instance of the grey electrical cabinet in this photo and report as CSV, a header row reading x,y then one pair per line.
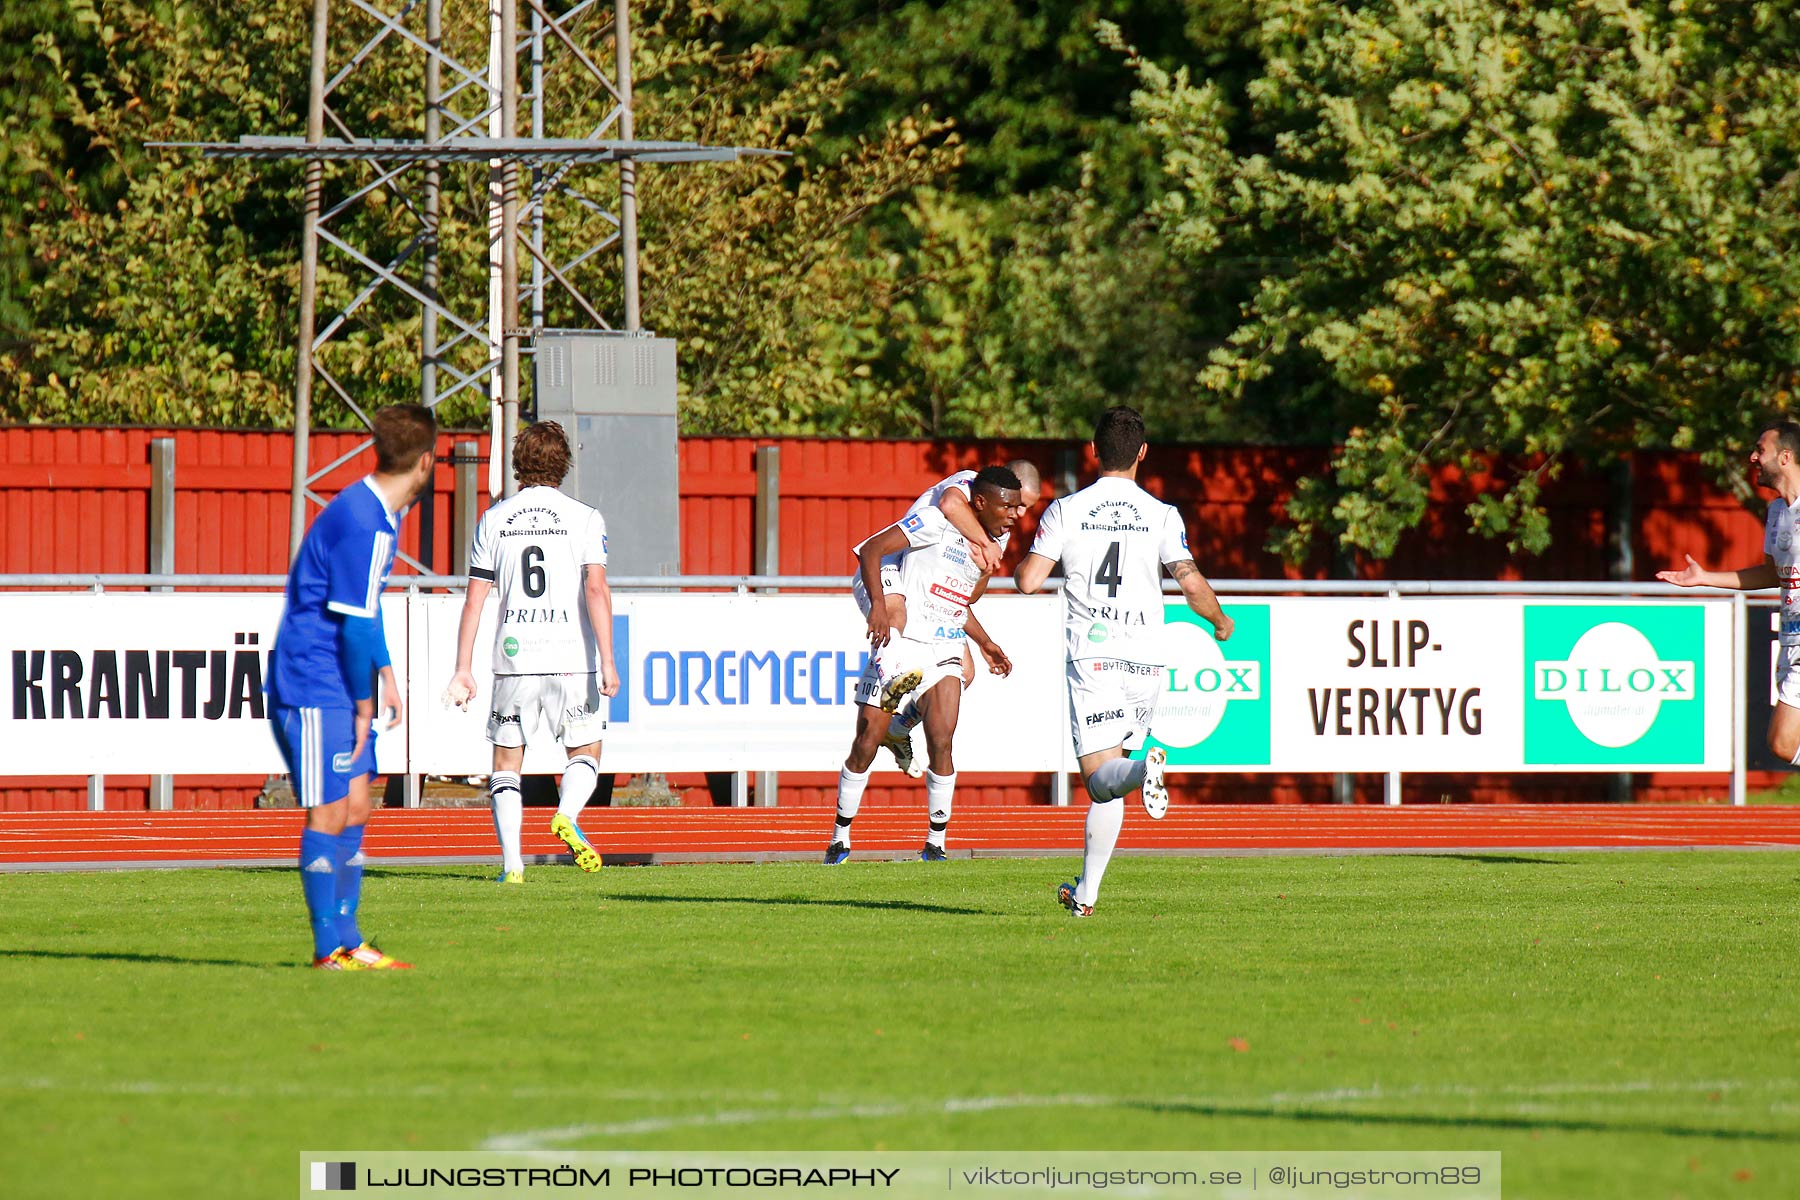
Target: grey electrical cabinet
x,y
615,396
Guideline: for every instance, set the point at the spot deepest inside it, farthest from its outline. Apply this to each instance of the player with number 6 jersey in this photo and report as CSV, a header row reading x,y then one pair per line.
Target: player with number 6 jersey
x,y
544,552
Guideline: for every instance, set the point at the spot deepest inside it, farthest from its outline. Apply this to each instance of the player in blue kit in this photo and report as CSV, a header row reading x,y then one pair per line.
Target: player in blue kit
x,y
328,652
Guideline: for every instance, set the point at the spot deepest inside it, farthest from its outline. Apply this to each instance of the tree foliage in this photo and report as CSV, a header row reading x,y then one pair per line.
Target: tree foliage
x,y
139,287
956,243
1486,228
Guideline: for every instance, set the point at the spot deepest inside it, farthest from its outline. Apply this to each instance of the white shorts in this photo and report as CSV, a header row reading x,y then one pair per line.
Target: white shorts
x,y
1787,680
890,582
569,704
1111,702
932,660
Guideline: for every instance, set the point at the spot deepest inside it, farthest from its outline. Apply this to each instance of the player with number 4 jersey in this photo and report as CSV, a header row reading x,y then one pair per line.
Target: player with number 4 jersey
x,y
544,552
1113,540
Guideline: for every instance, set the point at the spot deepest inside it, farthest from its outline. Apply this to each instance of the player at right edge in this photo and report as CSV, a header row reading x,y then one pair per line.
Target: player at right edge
x,y
1113,539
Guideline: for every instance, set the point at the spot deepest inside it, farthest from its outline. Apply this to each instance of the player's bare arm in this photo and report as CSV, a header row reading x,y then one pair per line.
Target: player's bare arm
x,y
961,514
1200,597
597,594
888,541
997,661
1744,579
462,683
1030,574
393,698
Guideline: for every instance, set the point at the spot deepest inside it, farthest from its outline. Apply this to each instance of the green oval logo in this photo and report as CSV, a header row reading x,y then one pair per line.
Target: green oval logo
x,y
511,646
1097,632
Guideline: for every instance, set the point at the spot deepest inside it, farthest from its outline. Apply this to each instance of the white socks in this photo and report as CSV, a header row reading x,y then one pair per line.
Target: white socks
x,y
1104,820
578,780
850,793
509,817
940,790
1116,777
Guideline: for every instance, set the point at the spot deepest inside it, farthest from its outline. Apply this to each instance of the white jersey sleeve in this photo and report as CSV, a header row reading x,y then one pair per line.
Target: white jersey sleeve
x,y
593,540
930,497
1174,540
1049,539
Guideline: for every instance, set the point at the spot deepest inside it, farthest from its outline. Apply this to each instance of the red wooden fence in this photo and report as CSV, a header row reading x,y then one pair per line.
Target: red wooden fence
x,y
76,500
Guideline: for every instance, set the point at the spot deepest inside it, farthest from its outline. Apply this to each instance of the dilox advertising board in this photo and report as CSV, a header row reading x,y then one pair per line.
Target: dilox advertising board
x,y
1451,684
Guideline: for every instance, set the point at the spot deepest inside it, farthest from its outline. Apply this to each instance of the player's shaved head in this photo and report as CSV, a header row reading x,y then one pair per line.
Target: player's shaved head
x,y
541,456
1031,484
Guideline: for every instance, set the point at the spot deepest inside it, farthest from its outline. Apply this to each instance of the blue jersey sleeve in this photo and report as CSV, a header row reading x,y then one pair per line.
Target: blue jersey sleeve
x,y
359,566
380,654
358,638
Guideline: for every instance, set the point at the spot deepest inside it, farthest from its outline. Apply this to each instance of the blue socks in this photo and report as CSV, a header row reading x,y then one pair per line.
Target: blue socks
x,y
319,883
349,885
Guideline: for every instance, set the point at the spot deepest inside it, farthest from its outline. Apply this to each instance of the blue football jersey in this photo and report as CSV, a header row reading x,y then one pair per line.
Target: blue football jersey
x,y
340,571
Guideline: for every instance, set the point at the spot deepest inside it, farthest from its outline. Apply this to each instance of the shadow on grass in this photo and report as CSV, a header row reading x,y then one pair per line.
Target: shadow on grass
x,y
809,902
127,957
1473,1121
1499,859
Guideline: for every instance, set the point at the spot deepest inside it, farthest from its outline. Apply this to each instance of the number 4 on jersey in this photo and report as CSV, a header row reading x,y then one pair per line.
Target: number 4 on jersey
x,y
1108,572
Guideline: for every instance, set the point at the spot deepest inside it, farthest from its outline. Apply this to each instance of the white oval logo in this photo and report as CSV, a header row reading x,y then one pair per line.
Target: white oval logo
x,y
1614,684
1199,684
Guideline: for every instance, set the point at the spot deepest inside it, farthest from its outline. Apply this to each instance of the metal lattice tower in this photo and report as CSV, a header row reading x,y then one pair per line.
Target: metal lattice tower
x,y
468,115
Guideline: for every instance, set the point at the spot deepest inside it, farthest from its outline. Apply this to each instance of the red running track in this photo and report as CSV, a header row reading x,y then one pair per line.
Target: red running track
x,y
75,840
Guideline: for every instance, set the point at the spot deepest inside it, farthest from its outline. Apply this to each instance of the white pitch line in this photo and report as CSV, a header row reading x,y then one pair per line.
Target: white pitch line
x,y
561,1136
426,1091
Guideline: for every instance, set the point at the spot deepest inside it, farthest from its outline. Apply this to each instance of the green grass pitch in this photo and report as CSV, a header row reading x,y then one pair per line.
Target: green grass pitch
x,y
1617,1025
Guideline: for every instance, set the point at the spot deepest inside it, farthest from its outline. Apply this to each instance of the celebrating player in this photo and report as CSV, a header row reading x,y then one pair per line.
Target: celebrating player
x,y
1777,462
546,553
940,579
328,651
951,497
1112,538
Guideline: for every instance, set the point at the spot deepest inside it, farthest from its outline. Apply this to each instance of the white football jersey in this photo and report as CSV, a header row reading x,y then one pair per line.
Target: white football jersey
x,y
1781,542
938,577
1112,538
532,547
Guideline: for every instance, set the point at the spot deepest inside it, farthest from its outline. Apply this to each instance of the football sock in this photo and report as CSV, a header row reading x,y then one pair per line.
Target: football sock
x,y
940,790
318,883
509,817
1104,819
1116,777
850,794
578,781
349,885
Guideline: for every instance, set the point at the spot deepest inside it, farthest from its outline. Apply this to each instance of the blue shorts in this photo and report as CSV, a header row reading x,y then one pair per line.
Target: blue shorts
x,y
316,742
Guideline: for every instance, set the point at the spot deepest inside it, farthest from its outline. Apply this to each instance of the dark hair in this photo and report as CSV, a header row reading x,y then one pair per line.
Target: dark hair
x,y
1787,434
402,432
1118,436
541,456
997,478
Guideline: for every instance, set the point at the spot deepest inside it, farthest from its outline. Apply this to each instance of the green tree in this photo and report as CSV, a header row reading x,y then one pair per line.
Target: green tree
x,y
1481,229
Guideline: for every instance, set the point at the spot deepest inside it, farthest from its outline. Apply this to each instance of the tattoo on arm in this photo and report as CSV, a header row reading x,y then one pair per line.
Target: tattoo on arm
x,y
1182,569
